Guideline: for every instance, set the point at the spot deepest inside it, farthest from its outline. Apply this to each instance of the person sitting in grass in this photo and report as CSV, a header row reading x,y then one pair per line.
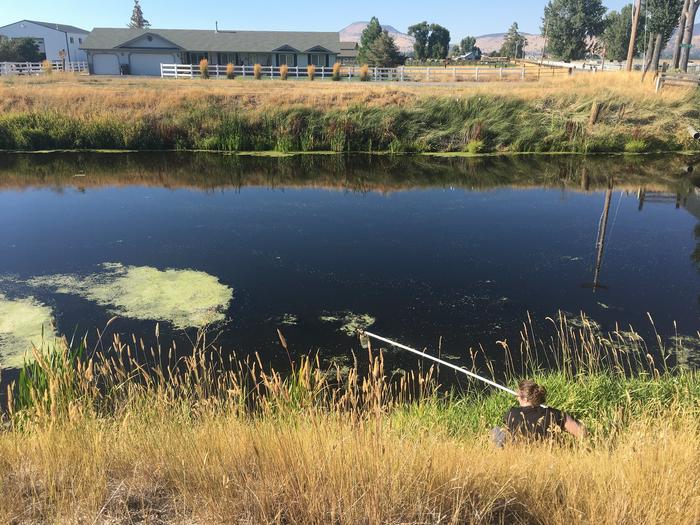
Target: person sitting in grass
x,y
532,421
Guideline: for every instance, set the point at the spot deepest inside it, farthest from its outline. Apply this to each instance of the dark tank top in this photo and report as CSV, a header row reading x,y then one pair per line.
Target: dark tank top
x,y
535,422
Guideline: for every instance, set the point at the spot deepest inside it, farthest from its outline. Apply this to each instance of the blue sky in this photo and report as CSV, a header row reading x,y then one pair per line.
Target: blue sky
x,y
466,17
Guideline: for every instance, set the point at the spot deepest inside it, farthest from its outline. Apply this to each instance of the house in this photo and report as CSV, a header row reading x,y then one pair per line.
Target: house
x,y
51,38
112,51
348,52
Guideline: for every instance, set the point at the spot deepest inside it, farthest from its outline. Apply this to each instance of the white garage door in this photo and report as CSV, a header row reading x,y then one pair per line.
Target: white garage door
x,y
149,64
105,64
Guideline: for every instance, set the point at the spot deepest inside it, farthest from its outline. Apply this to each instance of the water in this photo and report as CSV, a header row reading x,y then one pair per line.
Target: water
x,y
418,248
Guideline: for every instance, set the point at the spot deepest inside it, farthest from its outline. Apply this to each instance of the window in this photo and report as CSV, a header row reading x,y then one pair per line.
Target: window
x,y
72,41
286,59
227,58
196,58
317,60
80,40
250,59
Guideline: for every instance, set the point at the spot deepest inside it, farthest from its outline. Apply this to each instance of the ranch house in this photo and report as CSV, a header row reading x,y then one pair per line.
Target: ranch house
x,y
112,51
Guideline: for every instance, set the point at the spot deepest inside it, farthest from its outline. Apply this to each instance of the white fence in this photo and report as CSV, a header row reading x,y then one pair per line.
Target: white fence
x,y
37,68
399,74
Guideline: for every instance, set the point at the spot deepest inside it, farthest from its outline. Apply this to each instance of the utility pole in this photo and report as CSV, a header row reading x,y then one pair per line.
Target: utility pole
x,y
633,36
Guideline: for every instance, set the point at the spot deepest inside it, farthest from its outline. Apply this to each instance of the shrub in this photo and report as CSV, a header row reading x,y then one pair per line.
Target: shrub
x,y
284,71
204,68
364,73
336,72
47,67
474,147
257,71
230,71
311,71
635,146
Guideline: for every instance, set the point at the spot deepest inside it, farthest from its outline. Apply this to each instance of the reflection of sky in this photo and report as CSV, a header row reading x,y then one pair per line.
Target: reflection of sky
x,y
464,265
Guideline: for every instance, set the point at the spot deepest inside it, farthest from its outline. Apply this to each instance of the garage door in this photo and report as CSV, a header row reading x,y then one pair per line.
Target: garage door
x,y
149,64
105,64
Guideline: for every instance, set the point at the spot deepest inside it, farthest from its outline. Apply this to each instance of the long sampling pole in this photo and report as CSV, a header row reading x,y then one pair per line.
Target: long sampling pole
x,y
440,361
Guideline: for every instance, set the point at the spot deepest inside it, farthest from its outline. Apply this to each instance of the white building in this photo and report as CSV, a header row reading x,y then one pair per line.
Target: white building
x,y
52,38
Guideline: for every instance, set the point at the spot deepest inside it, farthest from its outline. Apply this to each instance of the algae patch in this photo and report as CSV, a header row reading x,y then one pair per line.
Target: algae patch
x,y
184,298
350,323
22,323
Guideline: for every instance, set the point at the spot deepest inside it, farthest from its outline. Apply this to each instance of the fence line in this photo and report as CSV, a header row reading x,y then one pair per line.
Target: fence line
x,y
37,68
398,74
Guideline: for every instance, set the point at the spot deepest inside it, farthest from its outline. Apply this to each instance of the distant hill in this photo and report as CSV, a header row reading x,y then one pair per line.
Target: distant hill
x,y
487,43
353,32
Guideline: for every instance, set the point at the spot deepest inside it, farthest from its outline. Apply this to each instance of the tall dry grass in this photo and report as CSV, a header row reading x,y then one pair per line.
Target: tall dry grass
x,y
107,441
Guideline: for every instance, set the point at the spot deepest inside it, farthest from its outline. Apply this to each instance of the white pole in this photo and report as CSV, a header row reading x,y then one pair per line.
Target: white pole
x,y
440,361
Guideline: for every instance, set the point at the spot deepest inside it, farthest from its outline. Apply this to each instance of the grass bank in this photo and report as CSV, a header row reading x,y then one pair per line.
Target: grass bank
x,y
547,116
207,439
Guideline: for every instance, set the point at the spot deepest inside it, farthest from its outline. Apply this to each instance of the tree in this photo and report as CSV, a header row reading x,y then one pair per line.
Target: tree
x,y
571,26
19,50
420,32
383,52
137,19
467,45
618,31
662,19
677,46
690,15
514,43
371,33
438,42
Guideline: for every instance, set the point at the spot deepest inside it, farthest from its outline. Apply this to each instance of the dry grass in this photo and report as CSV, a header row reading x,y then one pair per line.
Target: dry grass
x,y
74,93
109,442
319,470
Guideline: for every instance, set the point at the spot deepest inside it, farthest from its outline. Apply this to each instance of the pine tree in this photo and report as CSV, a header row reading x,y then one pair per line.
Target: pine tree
x,y
571,26
514,43
137,19
383,52
371,33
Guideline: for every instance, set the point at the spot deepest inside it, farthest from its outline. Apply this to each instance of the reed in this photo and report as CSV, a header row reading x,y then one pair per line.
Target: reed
x,y
311,71
284,71
47,67
96,436
257,72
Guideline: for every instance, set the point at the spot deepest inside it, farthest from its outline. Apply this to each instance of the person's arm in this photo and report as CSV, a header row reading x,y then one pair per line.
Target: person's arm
x,y
574,428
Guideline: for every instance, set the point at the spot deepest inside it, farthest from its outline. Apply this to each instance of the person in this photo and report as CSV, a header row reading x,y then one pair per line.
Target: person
x,y
532,421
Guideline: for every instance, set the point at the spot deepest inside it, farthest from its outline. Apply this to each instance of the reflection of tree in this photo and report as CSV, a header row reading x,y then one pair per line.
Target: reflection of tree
x,y
696,252
602,233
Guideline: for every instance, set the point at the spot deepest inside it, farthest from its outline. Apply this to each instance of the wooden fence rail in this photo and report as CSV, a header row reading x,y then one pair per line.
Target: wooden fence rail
x,y
399,74
37,68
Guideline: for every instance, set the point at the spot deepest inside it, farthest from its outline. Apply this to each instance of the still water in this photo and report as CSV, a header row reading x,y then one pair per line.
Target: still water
x,y
317,246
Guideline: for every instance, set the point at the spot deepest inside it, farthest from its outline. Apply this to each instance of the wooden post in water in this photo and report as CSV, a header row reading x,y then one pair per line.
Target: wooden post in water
x,y
602,231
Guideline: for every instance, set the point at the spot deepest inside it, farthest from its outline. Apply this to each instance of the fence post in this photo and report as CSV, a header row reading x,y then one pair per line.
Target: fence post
x,y
523,75
454,74
477,74
500,73
428,75
401,74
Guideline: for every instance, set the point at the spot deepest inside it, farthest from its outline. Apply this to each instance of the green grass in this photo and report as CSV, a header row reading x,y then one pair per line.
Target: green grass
x,y
476,124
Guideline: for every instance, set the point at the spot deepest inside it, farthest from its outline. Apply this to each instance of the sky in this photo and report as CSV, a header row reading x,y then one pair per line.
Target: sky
x,y
462,18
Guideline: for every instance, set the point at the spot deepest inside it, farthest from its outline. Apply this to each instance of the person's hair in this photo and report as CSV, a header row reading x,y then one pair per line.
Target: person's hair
x,y
533,392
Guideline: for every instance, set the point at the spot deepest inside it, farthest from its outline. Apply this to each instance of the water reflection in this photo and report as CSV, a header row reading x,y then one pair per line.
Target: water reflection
x,y
313,245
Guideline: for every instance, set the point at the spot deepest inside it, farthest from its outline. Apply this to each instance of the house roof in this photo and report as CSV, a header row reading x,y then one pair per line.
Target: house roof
x,y
58,27
349,49
206,40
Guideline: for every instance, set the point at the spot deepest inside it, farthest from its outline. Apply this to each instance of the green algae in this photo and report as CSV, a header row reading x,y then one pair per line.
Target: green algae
x,y
23,323
184,298
350,323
